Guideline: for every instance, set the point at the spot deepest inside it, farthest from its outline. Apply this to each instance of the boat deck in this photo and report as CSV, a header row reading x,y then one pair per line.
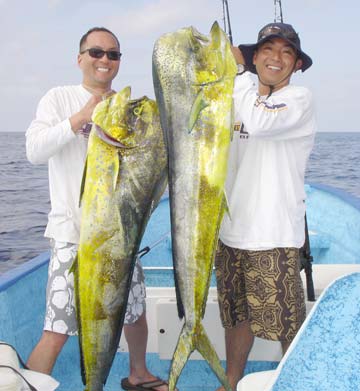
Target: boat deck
x,y
22,299
22,307
196,375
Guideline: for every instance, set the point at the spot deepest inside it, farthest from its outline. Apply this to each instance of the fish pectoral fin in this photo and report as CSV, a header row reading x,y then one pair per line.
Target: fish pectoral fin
x,y
83,182
226,205
116,170
199,104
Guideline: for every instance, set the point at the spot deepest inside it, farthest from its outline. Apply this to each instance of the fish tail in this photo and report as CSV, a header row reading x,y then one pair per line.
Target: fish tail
x,y
184,348
206,349
192,338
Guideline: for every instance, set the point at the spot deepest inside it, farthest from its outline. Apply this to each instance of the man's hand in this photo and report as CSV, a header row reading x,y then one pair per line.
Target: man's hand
x,y
237,55
81,118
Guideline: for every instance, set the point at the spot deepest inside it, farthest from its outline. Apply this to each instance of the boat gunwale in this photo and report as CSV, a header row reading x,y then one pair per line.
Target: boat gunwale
x,y
10,277
348,198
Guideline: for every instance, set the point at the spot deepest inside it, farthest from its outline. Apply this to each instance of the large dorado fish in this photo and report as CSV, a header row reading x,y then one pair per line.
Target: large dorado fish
x,y
124,178
193,79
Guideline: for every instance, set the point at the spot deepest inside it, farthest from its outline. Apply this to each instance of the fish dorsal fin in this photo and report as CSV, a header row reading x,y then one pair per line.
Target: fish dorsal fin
x,y
73,267
116,170
198,105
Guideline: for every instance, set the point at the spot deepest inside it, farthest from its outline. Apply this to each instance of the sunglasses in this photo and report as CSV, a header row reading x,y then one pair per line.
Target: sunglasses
x,y
112,55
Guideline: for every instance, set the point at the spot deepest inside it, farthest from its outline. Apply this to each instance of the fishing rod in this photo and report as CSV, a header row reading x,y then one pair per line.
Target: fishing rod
x,y
278,11
306,258
306,261
278,18
226,19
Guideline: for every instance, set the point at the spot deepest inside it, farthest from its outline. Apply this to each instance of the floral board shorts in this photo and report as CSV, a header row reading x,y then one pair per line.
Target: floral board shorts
x,y
263,287
60,314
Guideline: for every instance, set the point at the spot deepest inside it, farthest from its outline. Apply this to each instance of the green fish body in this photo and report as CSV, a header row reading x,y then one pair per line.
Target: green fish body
x,y
193,79
124,178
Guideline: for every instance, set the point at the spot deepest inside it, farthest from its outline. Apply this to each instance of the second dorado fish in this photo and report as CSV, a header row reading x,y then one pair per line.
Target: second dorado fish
x,y
193,79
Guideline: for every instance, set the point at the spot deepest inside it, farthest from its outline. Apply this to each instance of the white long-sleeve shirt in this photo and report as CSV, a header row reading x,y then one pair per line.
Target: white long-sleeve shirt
x,y
50,139
272,142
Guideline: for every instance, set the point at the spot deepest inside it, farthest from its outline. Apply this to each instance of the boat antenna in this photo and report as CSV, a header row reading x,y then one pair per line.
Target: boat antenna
x,y
226,19
278,12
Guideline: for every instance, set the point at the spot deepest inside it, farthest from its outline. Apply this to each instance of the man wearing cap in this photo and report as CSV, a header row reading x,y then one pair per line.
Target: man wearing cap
x,y
257,263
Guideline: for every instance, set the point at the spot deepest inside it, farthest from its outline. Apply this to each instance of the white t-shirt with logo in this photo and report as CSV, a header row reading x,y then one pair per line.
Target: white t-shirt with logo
x,y
271,145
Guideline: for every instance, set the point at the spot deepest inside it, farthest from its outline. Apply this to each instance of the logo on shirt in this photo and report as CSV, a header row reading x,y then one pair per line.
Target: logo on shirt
x,y
269,107
239,127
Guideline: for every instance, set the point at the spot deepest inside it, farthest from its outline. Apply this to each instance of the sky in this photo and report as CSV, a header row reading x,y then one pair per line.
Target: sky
x,y
39,44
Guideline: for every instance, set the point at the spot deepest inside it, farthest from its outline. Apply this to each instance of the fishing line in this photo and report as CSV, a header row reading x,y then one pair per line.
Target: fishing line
x,y
147,249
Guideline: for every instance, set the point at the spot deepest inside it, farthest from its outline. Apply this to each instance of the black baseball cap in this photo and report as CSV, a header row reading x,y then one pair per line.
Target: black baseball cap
x,y
275,30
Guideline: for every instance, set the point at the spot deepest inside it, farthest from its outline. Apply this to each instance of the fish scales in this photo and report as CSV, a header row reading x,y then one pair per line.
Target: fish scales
x,y
193,79
124,178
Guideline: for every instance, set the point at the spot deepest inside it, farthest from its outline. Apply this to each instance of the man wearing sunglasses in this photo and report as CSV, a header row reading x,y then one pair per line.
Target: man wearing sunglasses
x,y
58,136
257,264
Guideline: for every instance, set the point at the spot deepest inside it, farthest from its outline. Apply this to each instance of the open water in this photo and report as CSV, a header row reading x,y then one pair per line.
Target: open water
x,y
24,196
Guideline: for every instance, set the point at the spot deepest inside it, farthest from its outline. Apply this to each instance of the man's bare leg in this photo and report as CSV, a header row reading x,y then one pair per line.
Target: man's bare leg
x,y
238,342
136,336
45,353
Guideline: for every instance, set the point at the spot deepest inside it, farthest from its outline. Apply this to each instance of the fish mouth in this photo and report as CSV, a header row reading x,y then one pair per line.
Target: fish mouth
x,y
110,140
206,83
137,100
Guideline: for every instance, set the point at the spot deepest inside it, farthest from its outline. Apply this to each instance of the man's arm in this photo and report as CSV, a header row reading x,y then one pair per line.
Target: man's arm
x,y
282,116
78,120
237,55
49,132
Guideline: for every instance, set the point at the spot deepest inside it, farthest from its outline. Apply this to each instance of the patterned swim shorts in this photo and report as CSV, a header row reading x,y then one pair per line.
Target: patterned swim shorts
x,y
263,287
60,314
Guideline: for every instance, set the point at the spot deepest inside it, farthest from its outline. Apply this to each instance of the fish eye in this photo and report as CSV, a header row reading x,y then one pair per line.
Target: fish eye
x,y
195,47
137,110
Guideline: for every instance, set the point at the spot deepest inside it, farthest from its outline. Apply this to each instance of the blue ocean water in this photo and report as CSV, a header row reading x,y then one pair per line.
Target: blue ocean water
x,y
24,196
